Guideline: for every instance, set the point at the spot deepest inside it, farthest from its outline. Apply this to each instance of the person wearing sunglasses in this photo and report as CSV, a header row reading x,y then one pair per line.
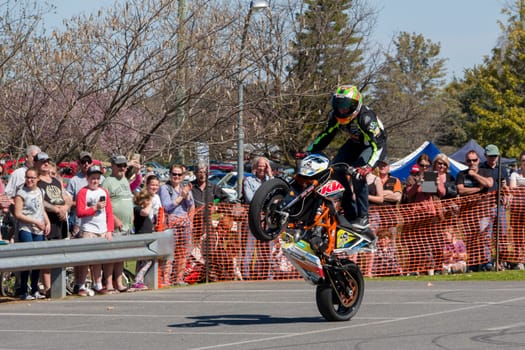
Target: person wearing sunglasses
x,y
446,183
57,203
413,192
477,180
473,180
177,201
422,214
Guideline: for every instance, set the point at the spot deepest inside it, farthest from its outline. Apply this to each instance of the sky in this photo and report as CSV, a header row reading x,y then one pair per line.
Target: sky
x,y
467,30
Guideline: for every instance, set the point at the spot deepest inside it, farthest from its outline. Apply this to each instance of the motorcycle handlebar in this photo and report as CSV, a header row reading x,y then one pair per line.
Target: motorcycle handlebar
x,y
348,169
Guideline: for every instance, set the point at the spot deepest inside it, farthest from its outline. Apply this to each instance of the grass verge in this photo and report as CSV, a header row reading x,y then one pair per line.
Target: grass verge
x,y
508,275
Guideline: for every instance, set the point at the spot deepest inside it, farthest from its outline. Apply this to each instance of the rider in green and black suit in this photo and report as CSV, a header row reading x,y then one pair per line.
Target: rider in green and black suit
x,y
365,146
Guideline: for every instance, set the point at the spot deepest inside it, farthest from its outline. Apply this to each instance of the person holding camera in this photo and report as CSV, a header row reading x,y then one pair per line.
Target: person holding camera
x,y
95,213
133,173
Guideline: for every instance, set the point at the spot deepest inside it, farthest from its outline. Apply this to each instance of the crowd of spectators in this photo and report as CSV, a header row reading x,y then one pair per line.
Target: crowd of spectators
x,y
429,243
96,204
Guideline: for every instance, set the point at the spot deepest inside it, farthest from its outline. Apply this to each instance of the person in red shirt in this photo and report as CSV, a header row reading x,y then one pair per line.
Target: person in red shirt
x,y
96,220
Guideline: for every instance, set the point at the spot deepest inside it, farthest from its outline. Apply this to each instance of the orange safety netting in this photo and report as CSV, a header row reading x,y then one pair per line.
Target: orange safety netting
x,y
411,239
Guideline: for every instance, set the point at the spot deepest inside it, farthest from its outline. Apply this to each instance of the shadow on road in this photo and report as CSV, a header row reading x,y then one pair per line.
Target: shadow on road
x,y
243,320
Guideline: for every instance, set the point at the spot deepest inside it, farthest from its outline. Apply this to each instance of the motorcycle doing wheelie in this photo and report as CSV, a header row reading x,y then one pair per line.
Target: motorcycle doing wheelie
x,y
316,237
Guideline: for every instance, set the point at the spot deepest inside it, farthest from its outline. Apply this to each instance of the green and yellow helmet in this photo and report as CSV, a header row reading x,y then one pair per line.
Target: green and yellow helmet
x,y
346,103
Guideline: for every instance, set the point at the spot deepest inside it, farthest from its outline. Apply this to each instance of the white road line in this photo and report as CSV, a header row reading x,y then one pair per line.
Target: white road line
x,y
510,326
400,319
227,302
168,332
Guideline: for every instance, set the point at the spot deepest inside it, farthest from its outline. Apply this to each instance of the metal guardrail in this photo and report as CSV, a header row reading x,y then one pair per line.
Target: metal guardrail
x,y
59,254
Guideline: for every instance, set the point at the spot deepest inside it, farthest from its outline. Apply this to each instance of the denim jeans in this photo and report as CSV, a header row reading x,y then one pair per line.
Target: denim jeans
x,y
26,236
487,225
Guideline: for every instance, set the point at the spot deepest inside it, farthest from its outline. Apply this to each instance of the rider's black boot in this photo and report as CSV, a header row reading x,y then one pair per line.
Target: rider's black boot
x,y
368,234
360,223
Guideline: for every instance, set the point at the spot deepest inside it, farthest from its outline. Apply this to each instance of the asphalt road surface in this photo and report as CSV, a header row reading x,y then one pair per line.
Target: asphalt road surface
x,y
274,315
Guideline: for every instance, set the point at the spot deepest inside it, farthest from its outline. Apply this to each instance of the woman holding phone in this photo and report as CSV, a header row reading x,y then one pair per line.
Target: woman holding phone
x,y
96,221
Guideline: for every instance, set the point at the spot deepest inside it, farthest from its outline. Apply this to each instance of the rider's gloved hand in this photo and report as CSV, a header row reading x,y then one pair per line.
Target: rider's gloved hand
x,y
361,172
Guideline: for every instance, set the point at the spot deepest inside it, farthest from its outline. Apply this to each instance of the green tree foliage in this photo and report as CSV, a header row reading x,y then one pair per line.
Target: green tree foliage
x,y
408,95
491,96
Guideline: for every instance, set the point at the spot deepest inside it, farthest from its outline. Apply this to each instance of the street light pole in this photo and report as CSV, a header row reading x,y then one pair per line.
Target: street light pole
x,y
254,6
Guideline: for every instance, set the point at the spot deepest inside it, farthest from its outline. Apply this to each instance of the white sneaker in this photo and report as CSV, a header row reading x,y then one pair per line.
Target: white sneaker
x,y
27,297
37,295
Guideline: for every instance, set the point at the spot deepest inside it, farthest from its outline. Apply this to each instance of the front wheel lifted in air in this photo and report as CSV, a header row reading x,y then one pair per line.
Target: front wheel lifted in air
x,y
265,220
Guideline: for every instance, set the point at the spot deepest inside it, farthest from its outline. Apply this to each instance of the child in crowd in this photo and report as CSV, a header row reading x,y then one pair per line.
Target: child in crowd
x,y
454,254
33,225
143,223
385,259
96,221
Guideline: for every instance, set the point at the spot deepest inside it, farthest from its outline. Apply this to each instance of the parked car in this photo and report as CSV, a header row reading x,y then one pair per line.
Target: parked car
x,y
215,176
226,167
161,171
228,183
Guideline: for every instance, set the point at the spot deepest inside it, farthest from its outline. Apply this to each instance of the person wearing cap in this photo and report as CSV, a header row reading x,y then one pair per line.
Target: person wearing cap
x,y
95,213
119,190
501,179
78,181
392,194
74,185
392,189
491,163
56,200
56,203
